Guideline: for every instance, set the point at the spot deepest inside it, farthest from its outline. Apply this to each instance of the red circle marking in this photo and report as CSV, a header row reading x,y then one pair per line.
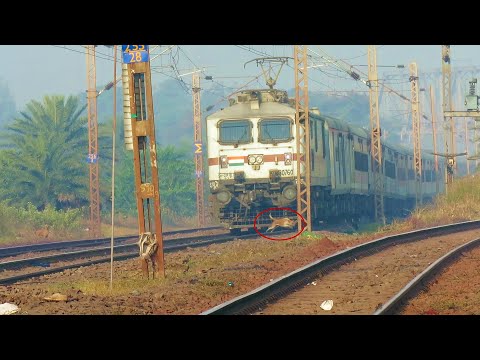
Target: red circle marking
x,y
304,224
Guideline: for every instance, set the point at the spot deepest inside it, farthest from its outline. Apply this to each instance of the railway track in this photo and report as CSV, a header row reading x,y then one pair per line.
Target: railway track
x,y
122,251
287,291
61,245
422,280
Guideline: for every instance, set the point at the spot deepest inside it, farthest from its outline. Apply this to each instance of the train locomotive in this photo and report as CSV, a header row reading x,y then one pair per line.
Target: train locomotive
x,y
252,165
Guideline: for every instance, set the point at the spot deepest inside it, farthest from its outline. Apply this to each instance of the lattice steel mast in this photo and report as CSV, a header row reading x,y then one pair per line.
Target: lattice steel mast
x,y
375,134
417,152
303,135
197,134
95,221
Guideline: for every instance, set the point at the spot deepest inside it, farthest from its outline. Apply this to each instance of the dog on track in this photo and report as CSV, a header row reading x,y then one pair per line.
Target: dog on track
x,y
282,222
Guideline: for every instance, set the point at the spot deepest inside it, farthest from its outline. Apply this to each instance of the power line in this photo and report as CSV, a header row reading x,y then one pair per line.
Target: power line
x,y
256,52
80,52
184,53
260,53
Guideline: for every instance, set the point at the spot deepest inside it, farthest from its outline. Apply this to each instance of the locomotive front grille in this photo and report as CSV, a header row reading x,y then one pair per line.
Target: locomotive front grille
x,y
239,176
275,176
246,217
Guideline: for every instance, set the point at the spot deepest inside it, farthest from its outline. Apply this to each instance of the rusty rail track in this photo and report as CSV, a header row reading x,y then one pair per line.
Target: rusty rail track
x,y
61,245
125,251
276,289
422,280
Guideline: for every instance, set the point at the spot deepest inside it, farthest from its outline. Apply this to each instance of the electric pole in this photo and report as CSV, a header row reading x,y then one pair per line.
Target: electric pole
x,y
92,159
465,130
145,157
434,134
447,106
417,152
197,134
477,144
466,145
303,136
375,135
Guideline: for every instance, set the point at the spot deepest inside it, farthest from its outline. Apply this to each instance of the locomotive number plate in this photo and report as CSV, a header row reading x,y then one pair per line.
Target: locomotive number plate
x,y
287,172
225,176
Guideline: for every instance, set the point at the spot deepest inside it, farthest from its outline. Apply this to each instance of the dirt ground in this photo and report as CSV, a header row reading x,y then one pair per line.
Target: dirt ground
x,y
455,292
197,279
364,285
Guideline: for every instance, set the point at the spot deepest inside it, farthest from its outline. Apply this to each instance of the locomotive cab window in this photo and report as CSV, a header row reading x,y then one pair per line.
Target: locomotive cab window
x,y
274,130
235,132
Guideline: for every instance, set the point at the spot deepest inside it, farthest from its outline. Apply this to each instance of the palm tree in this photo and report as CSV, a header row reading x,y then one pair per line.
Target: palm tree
x,y
45,160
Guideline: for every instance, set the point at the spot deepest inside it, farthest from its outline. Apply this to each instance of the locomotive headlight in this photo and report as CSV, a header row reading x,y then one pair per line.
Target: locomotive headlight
x,y
289,192
224,197
255,159
224,161
288,158
213,184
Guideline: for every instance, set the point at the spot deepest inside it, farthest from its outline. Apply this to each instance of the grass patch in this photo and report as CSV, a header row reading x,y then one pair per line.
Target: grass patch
x,y
442,306
22,222
100,287
461,203
369,228
206,272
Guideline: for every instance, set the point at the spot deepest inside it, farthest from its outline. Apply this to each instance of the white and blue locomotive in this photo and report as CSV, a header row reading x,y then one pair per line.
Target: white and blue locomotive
x,y
252,164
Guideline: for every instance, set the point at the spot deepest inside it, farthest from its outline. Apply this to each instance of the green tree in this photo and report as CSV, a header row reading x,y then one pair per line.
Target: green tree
x,y
105,143
45,159
7,104
177,182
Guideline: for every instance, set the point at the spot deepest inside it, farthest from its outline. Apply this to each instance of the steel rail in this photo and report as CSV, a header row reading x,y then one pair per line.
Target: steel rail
x,y
278,288
171,246
59,245
422,280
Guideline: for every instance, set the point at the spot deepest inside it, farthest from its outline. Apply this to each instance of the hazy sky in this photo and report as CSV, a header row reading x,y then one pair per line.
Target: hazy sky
x,y
33,71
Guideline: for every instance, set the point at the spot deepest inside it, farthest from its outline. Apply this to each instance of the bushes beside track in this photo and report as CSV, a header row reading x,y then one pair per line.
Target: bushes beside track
x,y
24,221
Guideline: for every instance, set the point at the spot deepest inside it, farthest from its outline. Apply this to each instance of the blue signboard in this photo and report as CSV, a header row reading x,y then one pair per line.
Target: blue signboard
x,y
92,158
135,53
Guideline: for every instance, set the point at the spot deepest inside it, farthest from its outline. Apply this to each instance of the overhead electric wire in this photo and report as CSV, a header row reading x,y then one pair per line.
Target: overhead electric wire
x,y
224,98
379,83
260,53
81,52
256,52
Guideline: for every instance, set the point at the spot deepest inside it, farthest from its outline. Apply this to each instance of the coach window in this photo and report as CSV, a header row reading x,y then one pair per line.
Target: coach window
x,y
361,161
275,130
235,132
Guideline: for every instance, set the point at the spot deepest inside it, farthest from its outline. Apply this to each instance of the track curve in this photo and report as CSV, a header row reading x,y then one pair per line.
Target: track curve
x,y
257,299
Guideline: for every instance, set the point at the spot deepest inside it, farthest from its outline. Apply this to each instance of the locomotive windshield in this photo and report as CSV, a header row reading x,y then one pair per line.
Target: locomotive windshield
x,y
235,131
275,130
